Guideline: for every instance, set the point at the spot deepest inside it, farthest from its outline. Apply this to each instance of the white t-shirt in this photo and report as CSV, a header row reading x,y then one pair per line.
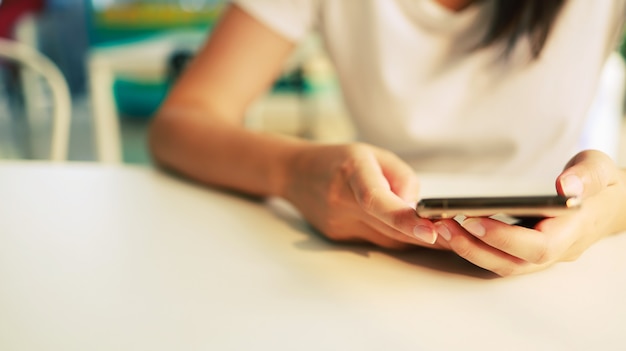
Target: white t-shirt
x,y
413,85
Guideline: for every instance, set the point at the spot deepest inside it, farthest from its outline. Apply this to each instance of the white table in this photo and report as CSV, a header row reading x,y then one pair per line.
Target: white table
x,y
117,258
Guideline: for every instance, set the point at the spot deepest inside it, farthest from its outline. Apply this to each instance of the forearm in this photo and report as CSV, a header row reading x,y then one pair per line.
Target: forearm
x,y
221,153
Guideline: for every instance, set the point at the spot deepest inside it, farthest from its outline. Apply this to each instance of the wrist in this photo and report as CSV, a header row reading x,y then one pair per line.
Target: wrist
x,y
287,169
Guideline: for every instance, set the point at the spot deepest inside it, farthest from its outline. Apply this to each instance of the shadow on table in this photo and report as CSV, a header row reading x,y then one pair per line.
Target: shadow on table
x,y
437,260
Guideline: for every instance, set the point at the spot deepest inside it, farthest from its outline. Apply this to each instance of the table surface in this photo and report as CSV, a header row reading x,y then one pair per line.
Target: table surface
x,y
97,257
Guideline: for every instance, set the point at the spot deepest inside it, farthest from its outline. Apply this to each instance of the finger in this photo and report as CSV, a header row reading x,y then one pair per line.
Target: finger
x,y
527,244
479,253
397,235
401,177
373,194
362,232
586,174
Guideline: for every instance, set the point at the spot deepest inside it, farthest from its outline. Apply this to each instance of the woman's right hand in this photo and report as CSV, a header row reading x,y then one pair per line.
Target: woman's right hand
x,y
348,192
357,192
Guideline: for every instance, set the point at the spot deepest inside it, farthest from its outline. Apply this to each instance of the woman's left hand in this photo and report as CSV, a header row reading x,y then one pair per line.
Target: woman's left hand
x,y
510,249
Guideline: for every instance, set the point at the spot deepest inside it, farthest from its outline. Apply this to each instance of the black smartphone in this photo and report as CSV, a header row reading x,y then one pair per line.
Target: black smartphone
x,y
514,206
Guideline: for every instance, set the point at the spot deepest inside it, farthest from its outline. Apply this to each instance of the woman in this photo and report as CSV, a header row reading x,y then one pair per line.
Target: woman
x,y
495,86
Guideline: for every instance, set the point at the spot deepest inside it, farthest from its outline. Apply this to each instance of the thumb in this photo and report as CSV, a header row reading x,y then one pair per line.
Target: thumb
x,y
586,174
402,179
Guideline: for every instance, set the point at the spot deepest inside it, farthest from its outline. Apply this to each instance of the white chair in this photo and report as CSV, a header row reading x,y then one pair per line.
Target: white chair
x,y
62,108
145,57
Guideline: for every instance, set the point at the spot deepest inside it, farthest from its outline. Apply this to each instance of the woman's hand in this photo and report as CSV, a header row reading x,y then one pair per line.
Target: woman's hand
x,y
358,193
510,249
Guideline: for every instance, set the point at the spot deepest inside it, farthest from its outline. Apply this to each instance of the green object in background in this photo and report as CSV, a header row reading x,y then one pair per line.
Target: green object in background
x,y
138,99
111,21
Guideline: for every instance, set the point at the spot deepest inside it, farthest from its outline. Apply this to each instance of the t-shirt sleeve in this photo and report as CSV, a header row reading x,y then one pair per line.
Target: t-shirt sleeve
x,y
291,18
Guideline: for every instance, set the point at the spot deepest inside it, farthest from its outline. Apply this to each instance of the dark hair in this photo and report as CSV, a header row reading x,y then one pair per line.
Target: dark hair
x,y
514,19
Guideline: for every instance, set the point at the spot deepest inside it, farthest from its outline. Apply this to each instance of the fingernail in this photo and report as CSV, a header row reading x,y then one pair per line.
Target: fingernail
x,y
443,231
425,234
474,227
572,185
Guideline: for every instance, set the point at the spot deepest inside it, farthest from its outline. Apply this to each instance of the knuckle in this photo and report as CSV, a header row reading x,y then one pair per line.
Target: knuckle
x,y
503,242
463,248
397,220
545,254
596,167
332,198
347,167
601,175
367,199
355,152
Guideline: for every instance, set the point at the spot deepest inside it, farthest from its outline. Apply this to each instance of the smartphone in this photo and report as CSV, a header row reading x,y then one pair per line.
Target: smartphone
x,y
513,206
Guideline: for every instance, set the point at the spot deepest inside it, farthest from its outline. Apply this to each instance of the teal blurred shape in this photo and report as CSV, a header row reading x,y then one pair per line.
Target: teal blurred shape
x,y
138,99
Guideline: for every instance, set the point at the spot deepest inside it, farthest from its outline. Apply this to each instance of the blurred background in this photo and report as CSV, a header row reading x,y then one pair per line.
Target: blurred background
x,y
117,60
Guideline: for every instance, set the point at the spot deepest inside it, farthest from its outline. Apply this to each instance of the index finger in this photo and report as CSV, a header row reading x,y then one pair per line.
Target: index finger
x,y
373,193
